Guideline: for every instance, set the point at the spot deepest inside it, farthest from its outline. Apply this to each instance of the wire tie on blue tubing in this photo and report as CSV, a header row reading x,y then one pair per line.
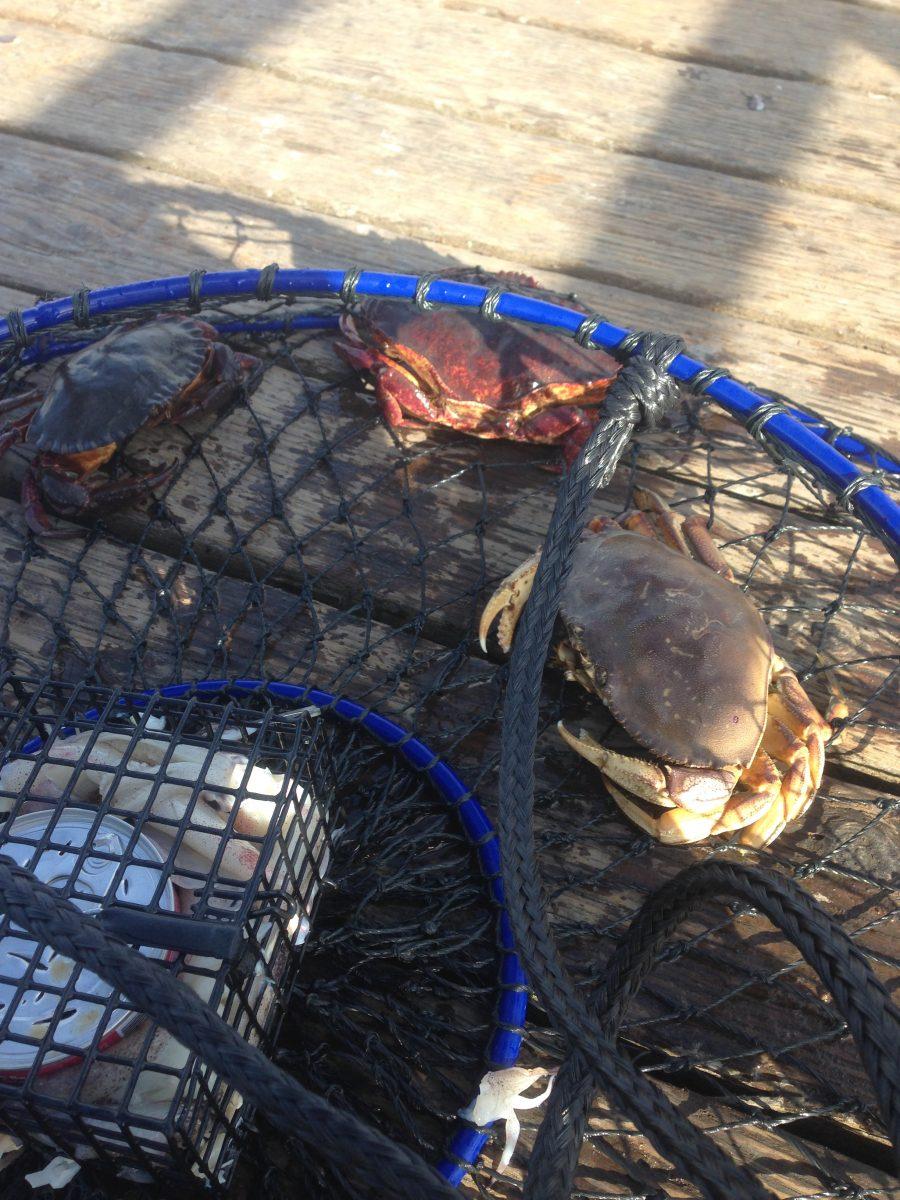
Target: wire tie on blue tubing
x,y
420,296
195,280
706,377
17,330
266,282
349,285
488,306
81,307
845,498
756,420
585,332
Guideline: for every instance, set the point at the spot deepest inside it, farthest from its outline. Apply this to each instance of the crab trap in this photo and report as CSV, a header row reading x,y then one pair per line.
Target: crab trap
x,y
335,474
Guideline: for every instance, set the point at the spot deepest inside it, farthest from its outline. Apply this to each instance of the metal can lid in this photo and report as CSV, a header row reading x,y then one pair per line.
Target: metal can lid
x,y
30,1013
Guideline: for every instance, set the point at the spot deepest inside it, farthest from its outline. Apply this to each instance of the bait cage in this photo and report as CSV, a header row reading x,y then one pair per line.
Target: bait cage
x,y
330,550
194,826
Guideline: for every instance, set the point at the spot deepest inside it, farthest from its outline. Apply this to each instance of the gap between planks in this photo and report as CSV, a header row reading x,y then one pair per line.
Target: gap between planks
x,y
848,42
840,144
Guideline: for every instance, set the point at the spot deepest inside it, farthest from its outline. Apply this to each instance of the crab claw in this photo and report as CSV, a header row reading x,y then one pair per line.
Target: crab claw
x,y
702,791
507,602
673,826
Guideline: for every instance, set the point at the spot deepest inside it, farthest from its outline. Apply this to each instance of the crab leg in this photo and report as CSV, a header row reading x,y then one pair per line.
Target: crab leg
x,y
668,524
795,736
642,779
690,535
507,602
34,512
761,785
115,492
704,548
16,431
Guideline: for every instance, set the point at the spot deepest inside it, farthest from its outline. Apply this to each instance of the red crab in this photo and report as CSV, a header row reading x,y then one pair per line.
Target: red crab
x,y
140,375
490,379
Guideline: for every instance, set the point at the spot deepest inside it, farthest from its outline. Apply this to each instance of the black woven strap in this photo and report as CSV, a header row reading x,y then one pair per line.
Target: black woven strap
x,y
640,395
371,1161
860,997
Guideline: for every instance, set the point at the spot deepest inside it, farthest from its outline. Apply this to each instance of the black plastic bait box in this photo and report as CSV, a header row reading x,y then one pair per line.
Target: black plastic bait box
x,y
193,824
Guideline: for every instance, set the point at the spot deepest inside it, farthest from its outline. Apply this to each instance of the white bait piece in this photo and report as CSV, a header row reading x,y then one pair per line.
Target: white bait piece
x,y
57,1173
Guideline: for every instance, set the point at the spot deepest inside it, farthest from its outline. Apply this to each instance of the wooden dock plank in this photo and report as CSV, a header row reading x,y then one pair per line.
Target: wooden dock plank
x,y
823,139
674,231
175,229
104,222
853,45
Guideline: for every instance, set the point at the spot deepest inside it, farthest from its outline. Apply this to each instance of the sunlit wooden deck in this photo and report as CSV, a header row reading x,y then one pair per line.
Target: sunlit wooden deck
x,y
721,169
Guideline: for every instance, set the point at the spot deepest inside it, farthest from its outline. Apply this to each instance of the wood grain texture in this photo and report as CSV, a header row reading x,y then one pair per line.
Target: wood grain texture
x,y
12,298
852,45
103,222
822,139
736,245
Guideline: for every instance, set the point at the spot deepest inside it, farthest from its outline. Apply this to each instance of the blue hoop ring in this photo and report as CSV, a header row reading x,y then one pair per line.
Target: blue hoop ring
x,y
871,503
466,1141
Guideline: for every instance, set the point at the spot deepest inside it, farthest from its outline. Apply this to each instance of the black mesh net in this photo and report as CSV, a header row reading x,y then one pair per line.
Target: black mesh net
x,y
302,539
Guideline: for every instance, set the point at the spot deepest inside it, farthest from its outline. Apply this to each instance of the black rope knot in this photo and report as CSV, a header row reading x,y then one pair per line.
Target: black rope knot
x,y
644,391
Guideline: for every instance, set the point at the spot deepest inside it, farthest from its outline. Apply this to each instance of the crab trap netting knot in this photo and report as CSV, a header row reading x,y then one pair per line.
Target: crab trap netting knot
x,y
324,886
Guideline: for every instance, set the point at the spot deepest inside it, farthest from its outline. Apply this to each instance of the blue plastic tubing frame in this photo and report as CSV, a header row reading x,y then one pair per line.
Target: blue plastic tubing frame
x,y
869,501
504,1044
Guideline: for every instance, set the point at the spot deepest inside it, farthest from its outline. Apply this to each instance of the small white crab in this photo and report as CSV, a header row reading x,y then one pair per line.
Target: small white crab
x,y
500,1095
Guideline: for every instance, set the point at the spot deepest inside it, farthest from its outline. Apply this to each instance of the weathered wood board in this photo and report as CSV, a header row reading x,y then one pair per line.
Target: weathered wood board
x,y
493,190
619,99
108,222
854,45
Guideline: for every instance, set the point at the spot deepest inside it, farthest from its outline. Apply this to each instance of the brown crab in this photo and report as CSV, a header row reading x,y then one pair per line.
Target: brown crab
x,y
655,627
491,379
138,376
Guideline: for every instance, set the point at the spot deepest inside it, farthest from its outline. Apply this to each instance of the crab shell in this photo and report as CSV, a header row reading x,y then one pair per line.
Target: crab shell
x,y
492,379
688,670
123,381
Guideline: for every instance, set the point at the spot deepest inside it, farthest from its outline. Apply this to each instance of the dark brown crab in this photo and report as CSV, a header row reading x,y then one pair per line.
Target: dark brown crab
x,y
490,379
655,627
140,375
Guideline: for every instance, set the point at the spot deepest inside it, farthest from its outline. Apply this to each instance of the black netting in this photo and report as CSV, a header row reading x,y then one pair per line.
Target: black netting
x,y
303,539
